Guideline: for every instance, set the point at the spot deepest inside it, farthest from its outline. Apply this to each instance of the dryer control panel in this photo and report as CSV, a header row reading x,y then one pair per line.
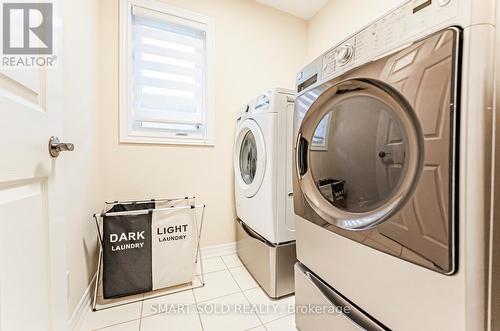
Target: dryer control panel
x,y
387,33
338,57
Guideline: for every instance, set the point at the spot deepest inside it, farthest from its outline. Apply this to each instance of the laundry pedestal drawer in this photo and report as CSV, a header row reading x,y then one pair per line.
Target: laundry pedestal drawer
x,y
319,307
270,265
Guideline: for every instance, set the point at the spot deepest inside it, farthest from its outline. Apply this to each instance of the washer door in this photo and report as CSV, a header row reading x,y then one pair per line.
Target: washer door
x,y
249,158
359,153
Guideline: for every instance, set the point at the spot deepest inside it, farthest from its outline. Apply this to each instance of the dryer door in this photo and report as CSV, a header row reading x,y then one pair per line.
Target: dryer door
x,y
249,158
380,153
359,153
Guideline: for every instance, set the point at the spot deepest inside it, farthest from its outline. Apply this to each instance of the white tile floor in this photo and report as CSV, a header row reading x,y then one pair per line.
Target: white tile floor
x,y
229,288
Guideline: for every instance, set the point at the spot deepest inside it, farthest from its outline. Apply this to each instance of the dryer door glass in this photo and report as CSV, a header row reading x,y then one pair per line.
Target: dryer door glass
x,y
248,158
358,154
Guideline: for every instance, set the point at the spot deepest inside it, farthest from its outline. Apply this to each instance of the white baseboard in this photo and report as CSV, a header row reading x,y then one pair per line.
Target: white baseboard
x,y
218,250
82,308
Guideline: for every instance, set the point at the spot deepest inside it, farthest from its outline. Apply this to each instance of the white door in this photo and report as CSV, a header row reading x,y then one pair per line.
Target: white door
x,y
32,265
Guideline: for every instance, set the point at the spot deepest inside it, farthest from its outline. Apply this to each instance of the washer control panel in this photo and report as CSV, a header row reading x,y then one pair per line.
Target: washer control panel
x,y
390,31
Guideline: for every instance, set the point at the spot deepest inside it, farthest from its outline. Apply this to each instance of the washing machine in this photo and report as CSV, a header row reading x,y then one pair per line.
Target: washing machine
x,y
393,169
264,192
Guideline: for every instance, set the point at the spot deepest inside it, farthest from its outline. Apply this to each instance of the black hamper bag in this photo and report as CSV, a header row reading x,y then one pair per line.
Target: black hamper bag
x,y
127,266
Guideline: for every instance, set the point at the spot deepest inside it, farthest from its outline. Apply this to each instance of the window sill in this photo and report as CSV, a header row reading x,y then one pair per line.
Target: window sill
x,y
166,141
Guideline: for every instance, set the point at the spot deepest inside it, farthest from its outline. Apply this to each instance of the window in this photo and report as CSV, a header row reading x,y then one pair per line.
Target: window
x,y
166,71
320,137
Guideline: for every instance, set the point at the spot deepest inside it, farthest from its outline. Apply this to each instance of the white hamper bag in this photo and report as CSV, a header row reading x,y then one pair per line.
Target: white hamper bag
x,y
173,247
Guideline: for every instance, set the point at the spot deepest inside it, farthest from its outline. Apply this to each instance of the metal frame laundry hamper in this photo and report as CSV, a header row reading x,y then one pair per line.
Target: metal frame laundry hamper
x,y
147,245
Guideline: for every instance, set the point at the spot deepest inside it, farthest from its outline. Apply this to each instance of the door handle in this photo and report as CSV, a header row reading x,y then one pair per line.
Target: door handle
x,y
386,157
302,146
56,146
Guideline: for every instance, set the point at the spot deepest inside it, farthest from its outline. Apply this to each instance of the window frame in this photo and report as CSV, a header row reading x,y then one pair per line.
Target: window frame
x,y
324,145
127,132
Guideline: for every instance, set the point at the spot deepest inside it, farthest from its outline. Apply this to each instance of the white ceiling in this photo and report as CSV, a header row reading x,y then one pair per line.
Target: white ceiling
x,y
301,8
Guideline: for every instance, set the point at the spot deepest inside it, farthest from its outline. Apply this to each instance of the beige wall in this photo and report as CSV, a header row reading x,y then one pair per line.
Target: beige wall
x,y
340,18
256,48
83,195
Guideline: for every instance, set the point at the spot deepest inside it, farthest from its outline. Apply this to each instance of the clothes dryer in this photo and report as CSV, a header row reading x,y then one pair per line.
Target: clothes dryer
x,y
393,169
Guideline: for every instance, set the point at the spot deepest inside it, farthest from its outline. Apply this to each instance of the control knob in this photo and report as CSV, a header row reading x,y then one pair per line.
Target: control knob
x,y
343,54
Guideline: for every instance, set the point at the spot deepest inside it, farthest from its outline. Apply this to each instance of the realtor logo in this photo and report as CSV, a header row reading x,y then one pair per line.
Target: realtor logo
x,y
27,28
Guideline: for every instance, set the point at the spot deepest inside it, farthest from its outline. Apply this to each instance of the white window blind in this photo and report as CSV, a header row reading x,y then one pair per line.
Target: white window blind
x,y
320,137
168,67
